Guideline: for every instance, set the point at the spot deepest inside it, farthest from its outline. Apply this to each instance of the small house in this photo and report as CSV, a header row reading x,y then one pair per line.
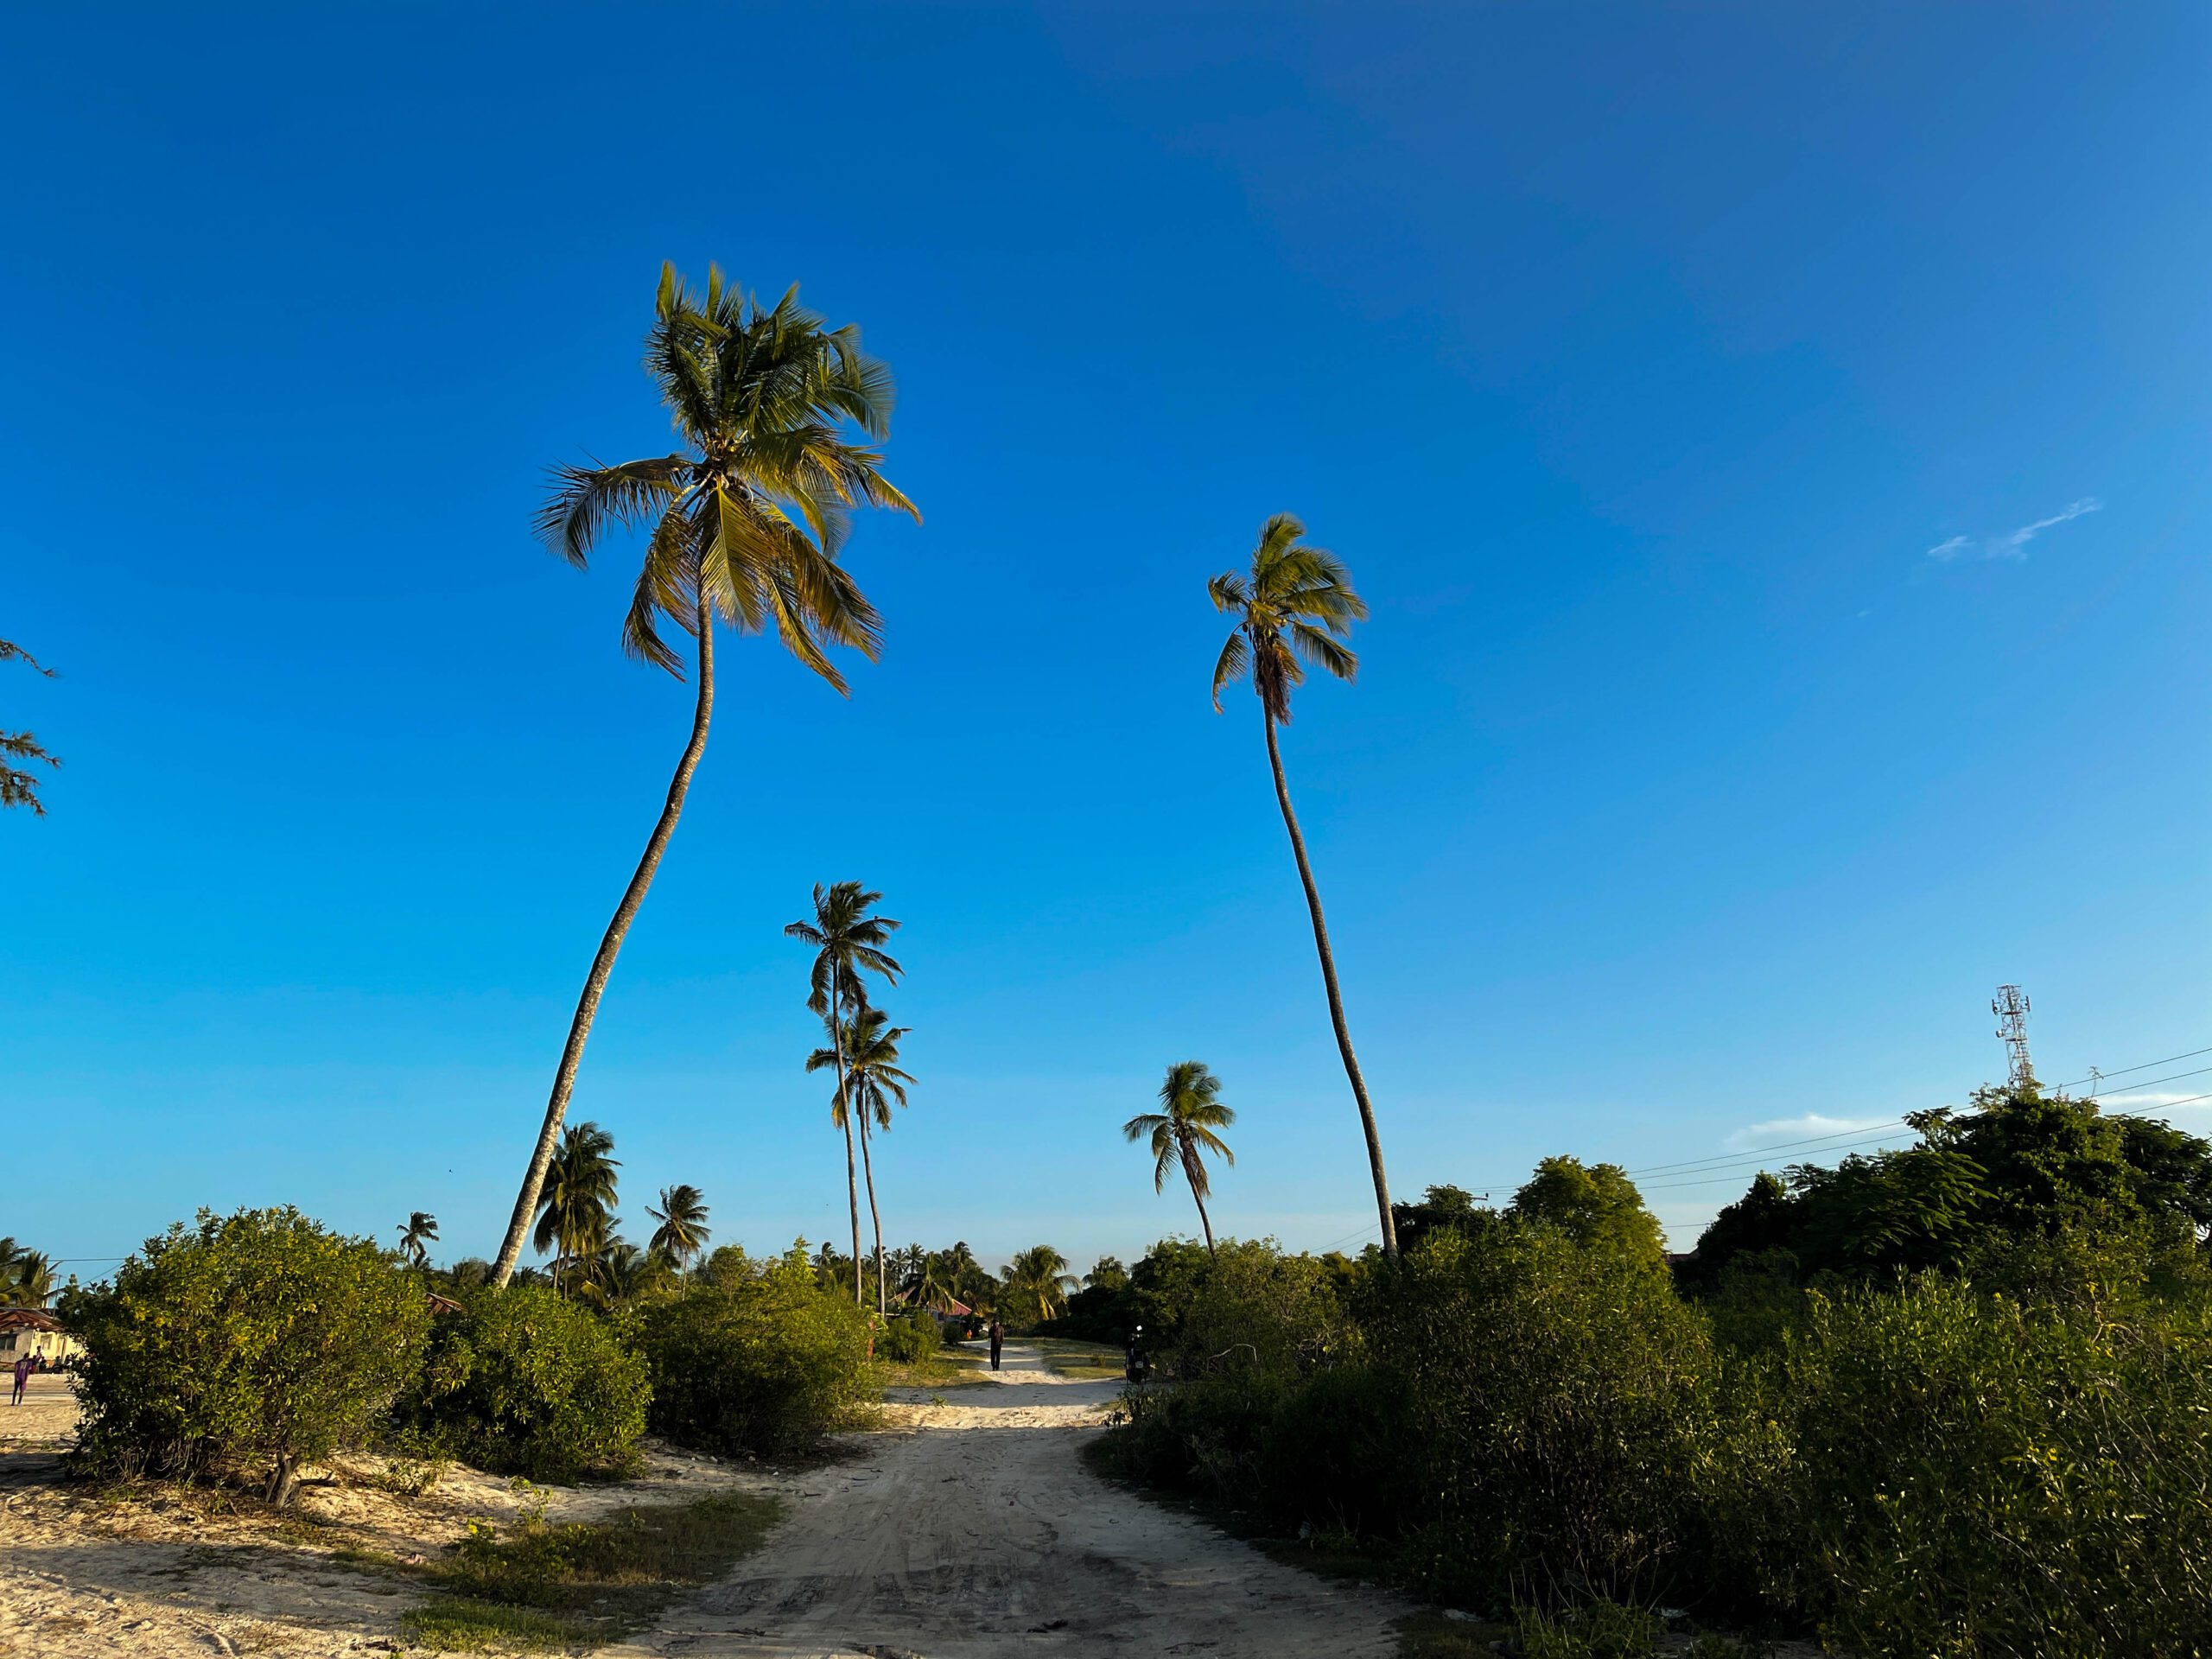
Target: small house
x,y
35,1332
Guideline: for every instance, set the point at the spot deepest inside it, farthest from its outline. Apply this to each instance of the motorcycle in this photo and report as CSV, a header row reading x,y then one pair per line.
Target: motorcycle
x,y
1136,1364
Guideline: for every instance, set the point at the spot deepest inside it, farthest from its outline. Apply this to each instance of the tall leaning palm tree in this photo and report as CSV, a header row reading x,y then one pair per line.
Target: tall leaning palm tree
x,y
683,1232
577,1206
1294,608
744,523
847,939
1183,1130
874,1080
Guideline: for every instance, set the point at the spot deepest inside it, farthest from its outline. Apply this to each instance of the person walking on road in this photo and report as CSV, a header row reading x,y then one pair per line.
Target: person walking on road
x,y
998,1340
23,1372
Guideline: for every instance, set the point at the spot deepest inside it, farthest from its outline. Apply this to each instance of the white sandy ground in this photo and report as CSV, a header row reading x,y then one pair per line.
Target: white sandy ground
x,y
966,1530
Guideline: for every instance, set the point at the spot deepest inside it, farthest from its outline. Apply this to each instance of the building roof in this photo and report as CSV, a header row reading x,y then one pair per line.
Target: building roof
x,y
28,1319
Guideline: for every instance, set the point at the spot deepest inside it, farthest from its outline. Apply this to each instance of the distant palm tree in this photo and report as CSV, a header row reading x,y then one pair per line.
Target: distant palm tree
x,y
421,1228
1294,608
766,400
683,1232
32,1285
577,1206
847,940
616,1271
873,1081
1184,1129
1036,1283
19,786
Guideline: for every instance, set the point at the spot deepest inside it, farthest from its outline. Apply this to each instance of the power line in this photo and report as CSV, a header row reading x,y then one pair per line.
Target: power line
x,y
2106,1076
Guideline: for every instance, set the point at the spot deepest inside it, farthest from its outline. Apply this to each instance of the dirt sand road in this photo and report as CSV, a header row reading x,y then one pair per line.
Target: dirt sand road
x,y
974,1531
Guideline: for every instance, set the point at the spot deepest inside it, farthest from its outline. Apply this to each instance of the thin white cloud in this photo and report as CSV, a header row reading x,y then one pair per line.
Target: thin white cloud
x,y
1810,1127
2196,1102
2013,544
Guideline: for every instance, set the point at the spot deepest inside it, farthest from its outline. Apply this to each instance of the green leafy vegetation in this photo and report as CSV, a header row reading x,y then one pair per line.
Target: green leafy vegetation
x,y
1973,1424
259,1340
760,1359
524,1382
909,1339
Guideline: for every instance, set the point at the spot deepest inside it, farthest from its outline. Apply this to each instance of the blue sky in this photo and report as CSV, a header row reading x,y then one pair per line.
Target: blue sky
x,y
1770,439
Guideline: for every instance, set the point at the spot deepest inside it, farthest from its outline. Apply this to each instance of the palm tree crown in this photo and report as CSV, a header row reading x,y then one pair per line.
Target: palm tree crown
x,y
577,1206
764,398
1036,1282
872,1080
847,939
18,784
421,1230
683,1232
1294,608
1183,1130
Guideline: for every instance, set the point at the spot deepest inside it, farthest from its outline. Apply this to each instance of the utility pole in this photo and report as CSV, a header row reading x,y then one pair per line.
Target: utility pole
x,y
2011,1008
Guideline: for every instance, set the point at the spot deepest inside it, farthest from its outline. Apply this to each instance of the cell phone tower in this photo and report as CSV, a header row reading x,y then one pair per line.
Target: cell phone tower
x,y
2011,1008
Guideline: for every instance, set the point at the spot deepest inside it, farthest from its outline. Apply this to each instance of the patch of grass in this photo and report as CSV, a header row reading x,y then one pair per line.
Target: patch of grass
x,y
463,1624
943,1370
576,1584
1429,1635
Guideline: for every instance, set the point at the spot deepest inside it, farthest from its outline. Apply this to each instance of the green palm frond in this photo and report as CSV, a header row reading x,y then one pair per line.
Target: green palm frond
x,y
1294,609
749,519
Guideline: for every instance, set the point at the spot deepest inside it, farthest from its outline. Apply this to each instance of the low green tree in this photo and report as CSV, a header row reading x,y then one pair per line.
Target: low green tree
x,y
259,1339
1596,1205
526,1382
769,1361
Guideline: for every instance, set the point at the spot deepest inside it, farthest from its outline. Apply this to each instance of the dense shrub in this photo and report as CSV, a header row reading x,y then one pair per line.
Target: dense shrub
x,y
1562,1402
2009,1455
259,1339
1971,1475
765,1362
909,1338
523,1381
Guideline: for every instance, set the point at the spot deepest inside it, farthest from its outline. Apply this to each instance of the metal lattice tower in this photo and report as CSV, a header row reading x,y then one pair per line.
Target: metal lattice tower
x,y
2011,1008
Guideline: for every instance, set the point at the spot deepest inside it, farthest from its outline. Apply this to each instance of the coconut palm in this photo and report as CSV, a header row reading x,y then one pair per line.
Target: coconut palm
x,y
683,1232
847,940
873,1081
1182,1129
420,1228
577,1206
868,1049
1036,1283
616,1271
18,784
33,1283
1292,609
747,519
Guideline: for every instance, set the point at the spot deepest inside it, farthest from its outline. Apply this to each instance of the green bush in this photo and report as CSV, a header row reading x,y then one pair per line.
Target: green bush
x,y
523,1381
909,1339
1974,1476
260,1338
765,1363
1562,1403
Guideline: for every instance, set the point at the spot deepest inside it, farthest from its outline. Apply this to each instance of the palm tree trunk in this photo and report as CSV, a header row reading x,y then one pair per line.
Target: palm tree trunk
x,y
610,946
868,1167
1335,997
1195,1174
1204,1224
853,1196
852,1188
